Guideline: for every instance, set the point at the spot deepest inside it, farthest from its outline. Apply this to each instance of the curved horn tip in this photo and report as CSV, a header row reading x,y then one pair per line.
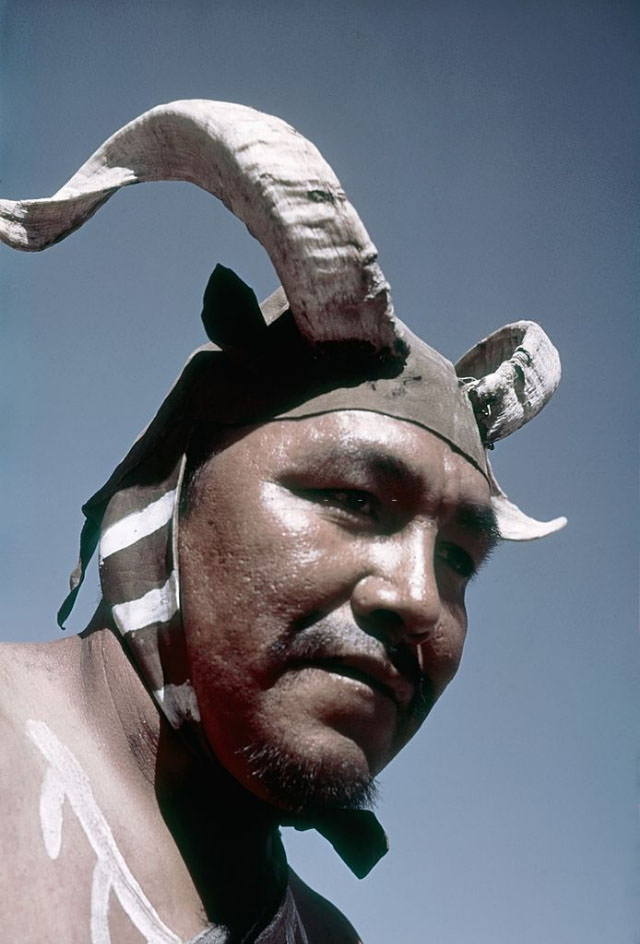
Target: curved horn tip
x,y
269,176
515,525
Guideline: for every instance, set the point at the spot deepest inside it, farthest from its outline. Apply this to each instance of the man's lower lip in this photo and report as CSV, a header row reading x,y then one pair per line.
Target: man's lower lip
x,y
346,671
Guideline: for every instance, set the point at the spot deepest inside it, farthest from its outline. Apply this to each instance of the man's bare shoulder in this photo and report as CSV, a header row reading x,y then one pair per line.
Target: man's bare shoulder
x,y
35,686
71,812
37,681
33,672
31,693
322,920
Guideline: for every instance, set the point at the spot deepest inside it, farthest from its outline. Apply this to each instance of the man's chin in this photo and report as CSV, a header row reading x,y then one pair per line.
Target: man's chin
x,y
306,786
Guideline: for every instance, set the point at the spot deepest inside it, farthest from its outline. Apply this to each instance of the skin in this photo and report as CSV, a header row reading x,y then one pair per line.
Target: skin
x,y
322,562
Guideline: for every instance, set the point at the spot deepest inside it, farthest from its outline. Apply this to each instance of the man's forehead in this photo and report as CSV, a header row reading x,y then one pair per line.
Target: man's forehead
x,y
392,443
367,445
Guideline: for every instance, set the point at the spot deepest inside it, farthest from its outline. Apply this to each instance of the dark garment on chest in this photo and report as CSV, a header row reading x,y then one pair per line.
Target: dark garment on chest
x,y
285,928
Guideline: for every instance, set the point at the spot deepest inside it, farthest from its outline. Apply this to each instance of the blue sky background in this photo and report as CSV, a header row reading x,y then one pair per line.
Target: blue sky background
x,y
491,150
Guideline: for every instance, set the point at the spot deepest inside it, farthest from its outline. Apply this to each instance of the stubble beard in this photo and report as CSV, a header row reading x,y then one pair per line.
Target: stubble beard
x,y
306,786
312,784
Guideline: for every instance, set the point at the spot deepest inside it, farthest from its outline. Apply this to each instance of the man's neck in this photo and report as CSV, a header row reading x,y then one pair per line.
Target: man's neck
x,y
227,838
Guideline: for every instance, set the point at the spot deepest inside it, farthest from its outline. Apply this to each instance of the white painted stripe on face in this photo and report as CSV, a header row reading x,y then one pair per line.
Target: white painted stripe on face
x,y
156,606
179,703
137,525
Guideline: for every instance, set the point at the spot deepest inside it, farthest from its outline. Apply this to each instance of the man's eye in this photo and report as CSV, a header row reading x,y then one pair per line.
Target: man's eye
x,y
457,559
352,500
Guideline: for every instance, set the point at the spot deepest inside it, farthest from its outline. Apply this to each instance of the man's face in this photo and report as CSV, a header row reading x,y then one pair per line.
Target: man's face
x,y
323,568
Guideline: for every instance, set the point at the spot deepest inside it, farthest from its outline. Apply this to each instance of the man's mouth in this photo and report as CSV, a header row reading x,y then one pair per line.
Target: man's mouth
x,y
342,648
371,672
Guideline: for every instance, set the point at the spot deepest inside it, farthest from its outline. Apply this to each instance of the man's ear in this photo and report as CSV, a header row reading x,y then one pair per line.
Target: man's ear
x,y
230,311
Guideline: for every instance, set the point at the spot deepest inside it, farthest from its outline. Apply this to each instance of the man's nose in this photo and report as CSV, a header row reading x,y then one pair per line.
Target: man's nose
x,y
399,595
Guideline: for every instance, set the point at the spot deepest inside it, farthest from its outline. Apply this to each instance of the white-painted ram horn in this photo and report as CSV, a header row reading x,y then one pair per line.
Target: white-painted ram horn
x,y
269,176
509,377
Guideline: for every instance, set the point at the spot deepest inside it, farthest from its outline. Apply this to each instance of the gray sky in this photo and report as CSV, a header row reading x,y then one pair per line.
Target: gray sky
x,y
491,150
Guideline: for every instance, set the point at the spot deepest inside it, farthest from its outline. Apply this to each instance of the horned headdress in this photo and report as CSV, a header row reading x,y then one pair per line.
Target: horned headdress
x,y
326,340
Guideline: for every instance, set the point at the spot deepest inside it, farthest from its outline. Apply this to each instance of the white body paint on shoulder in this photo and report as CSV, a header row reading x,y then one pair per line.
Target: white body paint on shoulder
x,y
66,780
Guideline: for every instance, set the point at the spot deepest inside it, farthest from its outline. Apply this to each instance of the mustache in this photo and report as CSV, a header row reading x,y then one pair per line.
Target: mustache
x,y
329,638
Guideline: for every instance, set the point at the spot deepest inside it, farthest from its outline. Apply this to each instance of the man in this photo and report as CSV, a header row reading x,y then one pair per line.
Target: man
x,y
283,553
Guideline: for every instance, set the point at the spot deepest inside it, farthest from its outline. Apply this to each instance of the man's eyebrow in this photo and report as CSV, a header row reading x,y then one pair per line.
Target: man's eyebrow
x,y
478,519
369,458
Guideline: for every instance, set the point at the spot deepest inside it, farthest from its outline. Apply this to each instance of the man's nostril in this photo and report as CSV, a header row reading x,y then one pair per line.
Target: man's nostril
x,y
383,624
